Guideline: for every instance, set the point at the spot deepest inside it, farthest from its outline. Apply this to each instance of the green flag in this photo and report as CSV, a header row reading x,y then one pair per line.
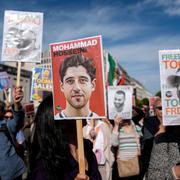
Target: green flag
x,y
112,67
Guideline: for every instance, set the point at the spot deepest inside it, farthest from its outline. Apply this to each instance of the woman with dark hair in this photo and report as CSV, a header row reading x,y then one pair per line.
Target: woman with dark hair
x,y
165,155
54,149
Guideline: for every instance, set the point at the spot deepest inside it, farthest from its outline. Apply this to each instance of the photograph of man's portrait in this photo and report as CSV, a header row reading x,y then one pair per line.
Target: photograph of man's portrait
x,y
78,84
120,101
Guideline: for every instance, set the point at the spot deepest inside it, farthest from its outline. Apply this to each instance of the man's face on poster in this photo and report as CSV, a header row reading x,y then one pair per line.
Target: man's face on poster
x,y
22,39
77,86
119,100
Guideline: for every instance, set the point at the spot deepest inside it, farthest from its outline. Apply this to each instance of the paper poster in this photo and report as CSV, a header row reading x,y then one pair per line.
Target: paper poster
x,y
170,86
22,37
4,81
41,83
29,109
120,101
78,80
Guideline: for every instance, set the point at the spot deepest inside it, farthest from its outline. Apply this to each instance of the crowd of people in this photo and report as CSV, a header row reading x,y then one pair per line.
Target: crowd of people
x,y
49,152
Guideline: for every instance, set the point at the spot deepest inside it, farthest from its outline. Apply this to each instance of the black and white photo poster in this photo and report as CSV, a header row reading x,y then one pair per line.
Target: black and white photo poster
x,y
120,101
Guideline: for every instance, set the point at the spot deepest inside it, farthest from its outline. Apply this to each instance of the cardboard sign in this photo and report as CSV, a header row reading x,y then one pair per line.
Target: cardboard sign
x,y
4,81
78,81
22,37
120,101
170,86
41,83
29,109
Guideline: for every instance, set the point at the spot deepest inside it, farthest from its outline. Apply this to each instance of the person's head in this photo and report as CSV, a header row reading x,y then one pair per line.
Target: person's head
x,y
174,81
158,108
8,115
119,99
2,110
49,142
78,76
126,122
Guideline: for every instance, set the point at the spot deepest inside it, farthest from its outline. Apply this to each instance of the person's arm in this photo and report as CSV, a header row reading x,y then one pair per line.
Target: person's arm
x,y
115,132
18,114
176,171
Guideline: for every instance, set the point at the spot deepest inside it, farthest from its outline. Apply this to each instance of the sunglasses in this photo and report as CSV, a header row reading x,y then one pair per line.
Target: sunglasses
x,y
159,107
8,117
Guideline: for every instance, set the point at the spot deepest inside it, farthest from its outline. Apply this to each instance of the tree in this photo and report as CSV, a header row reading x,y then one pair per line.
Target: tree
x,y
145,101
158,94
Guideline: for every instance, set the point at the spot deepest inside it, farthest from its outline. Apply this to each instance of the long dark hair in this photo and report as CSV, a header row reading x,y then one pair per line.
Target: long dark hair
x,y
49,144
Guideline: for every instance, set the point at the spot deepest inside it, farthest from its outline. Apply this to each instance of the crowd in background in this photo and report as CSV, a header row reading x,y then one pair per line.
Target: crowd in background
x,y
40,148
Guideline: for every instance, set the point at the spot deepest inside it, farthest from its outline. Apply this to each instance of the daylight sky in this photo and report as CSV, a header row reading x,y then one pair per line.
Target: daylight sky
x,y
133,30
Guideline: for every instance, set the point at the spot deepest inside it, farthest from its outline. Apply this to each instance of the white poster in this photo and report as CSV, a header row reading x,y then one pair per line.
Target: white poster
x,y
170,86
22,36
120,101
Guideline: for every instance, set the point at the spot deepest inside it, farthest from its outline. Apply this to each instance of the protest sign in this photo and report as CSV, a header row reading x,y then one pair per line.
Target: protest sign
x,y
41,83
78,81
120,101
151,106
170,86
29,109
22,36
4,81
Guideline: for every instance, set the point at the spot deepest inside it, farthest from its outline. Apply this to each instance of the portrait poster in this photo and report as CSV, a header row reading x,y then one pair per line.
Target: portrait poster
x,y
79,104
170,86
4,81
22,36
120,101
41,83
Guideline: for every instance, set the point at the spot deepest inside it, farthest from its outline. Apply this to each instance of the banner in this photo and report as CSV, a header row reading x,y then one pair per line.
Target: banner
x,y
78,80
170,86
4,81
22,37
41,83
120,101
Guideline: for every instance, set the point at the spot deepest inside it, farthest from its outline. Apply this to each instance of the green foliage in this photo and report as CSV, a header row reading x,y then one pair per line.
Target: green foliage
x,y
145,101
138,103
158,94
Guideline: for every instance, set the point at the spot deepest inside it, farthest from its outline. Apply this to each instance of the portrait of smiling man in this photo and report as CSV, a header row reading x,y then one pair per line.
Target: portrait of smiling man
x,y
120,101
77,82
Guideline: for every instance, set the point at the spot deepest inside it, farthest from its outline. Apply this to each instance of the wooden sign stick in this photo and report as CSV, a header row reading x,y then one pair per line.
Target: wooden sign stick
x,y
18,74
80,147
5,94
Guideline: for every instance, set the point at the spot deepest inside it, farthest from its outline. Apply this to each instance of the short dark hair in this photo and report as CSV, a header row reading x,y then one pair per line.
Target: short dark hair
x,y
77,60
120,92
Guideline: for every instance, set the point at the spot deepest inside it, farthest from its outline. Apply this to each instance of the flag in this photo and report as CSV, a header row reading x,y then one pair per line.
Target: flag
x,y
121,76
111,70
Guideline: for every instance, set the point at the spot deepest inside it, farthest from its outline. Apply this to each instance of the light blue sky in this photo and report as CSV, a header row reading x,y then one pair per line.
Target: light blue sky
x,y
133,30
